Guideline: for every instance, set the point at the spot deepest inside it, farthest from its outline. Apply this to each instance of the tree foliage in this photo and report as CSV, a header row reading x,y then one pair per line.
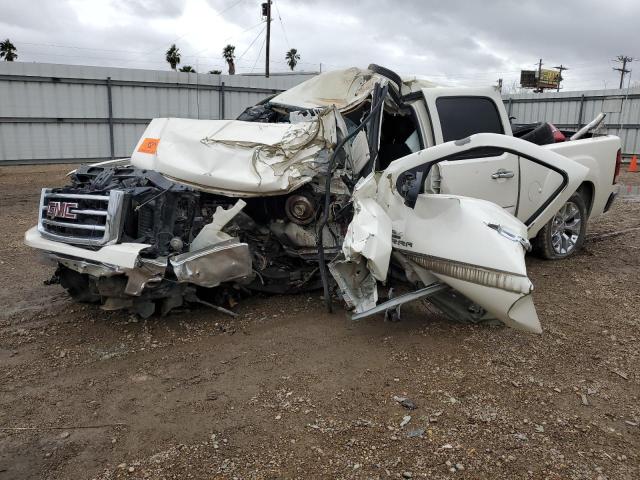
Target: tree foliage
x,y
173,56
8,51
229,55
292,57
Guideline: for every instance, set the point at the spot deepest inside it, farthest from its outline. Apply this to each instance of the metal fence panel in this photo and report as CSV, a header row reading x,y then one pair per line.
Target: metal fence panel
x,y
65,113
574,109
54,113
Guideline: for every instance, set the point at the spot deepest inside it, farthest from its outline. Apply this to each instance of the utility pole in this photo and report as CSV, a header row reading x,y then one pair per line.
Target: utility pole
x,y
538,88
624,60
266,11
560,68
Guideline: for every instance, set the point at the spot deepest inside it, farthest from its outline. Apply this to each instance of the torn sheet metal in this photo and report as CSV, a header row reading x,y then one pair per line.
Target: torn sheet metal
x,y
209,267
359,154
86,267
211,233
515,310
343,88
357,285
396,302
151,270
346,89
472,245
238,158
366,249
369,233
413,276
449,237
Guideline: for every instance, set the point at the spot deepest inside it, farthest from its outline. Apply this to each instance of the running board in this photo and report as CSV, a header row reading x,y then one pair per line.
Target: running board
x,y
395,301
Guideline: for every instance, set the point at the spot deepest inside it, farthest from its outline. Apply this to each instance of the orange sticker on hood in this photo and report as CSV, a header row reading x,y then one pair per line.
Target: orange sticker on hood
x,y
149,145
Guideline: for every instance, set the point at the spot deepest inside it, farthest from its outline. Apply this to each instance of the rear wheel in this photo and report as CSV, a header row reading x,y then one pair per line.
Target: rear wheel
x,y
565,233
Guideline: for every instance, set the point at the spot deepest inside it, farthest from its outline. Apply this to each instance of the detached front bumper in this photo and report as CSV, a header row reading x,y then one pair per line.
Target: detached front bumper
x,y
121,255
225,261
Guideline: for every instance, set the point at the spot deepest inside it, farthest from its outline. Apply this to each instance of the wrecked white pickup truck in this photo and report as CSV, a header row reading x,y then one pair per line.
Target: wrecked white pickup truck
x,y
355,179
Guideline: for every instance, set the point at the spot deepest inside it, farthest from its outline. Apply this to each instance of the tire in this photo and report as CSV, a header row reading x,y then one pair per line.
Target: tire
x,y
564,235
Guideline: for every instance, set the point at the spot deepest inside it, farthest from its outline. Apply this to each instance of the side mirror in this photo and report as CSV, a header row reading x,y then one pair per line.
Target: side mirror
x,y
414,187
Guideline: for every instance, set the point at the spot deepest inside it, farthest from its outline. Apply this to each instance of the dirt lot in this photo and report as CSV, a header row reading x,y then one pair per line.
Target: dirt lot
x,y
288,391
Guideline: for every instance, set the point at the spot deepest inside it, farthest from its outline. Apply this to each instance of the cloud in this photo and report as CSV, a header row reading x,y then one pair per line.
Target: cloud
x,y
453,42
151,8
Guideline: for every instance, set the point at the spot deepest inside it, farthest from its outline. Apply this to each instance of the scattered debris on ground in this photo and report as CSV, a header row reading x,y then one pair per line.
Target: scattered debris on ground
x,y
285,390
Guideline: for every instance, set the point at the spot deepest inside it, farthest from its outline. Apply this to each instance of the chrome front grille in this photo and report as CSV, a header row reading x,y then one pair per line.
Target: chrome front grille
x,y
81,218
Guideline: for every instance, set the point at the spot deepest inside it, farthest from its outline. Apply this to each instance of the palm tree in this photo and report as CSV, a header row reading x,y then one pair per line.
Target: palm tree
x,y
228,53
173,56
8,51
215,72
187,69
292,58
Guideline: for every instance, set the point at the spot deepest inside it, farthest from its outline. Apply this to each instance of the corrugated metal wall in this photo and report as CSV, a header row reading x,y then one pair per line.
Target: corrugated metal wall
x,y
58,113
574,109
61,113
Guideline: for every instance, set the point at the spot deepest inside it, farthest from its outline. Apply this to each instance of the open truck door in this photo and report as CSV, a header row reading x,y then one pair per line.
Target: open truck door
x,y
474,247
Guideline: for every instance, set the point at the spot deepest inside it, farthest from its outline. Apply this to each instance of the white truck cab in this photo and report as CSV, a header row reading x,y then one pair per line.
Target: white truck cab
x,y
518,183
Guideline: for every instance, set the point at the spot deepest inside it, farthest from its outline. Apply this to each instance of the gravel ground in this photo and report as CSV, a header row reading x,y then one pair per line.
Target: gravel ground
x,y
288,391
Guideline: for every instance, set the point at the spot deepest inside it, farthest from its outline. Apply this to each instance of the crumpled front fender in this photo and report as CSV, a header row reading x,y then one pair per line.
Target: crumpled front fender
x,y
369,233
368,239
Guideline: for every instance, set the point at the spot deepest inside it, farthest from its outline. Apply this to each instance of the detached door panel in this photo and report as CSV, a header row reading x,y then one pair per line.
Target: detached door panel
x,y
473,246
491,178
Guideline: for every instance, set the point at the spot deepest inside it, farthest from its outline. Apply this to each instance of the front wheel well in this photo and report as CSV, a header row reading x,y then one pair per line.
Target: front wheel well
x,y
586,191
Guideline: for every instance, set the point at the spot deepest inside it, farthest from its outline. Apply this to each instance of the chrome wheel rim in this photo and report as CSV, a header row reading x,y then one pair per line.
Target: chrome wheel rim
x,y
565,229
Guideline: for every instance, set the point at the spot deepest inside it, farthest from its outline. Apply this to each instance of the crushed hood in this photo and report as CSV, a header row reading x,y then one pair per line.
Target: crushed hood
x,y
237,158
345,89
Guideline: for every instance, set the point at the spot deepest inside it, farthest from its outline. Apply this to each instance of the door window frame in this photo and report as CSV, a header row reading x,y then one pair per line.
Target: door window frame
x,y
425,168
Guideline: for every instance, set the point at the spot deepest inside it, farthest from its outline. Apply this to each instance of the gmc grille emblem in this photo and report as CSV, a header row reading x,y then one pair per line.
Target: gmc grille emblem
x,y
61,210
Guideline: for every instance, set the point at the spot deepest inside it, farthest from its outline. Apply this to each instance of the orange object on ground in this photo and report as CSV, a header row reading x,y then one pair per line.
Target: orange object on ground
x,y
633,166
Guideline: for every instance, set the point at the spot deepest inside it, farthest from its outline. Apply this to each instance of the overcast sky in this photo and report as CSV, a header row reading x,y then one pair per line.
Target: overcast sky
x,y
451,42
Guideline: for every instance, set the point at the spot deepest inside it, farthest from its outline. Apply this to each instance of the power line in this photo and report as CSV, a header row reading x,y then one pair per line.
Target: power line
x,y
579,66
251,44
232,36
78,47
452,76
156,62
259,54
119,51
82,56
190,32
284,32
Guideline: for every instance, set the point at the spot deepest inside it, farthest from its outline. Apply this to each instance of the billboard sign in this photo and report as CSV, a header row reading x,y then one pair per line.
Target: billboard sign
x,y
545,79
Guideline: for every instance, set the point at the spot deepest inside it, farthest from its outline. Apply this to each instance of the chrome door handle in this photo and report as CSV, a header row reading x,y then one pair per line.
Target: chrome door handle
x,y
502,173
